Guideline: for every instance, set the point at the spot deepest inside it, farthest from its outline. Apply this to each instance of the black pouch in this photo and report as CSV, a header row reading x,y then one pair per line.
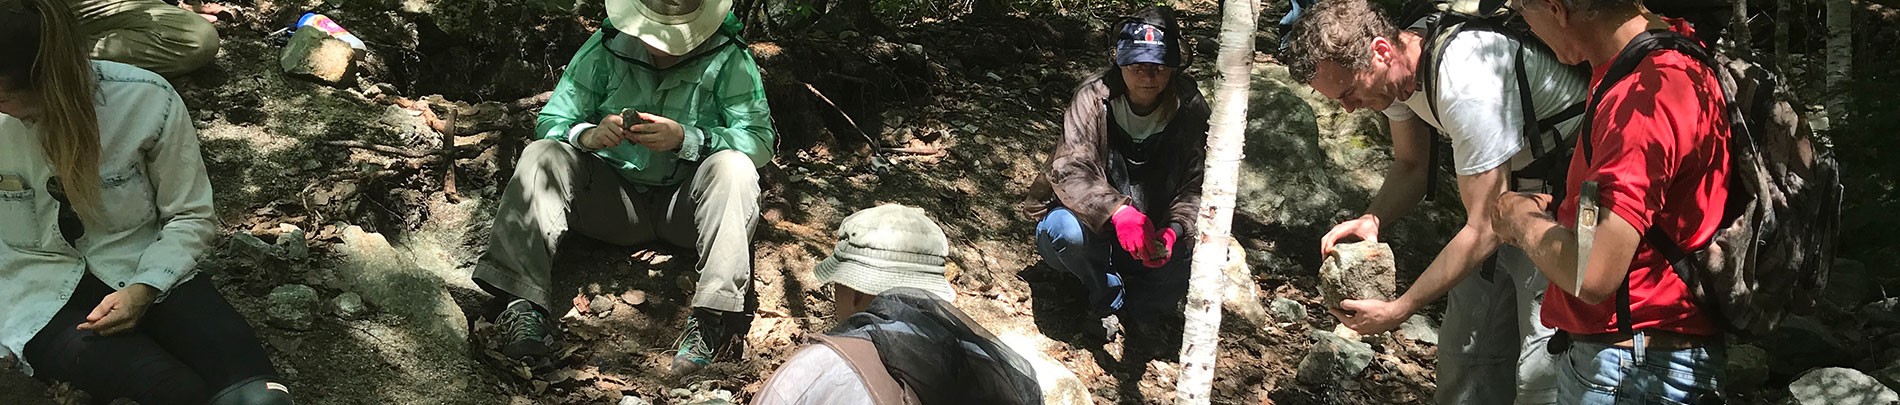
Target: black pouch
x,y
1559,343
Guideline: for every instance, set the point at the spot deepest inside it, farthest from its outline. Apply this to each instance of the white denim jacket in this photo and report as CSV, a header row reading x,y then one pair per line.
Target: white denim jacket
x,y
158,213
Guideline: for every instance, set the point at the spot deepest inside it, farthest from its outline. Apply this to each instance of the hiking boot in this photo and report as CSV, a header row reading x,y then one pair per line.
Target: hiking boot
x,y
696,347
525,332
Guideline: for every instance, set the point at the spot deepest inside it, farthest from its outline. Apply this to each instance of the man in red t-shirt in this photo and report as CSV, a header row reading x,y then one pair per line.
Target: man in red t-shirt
x,y
1658,148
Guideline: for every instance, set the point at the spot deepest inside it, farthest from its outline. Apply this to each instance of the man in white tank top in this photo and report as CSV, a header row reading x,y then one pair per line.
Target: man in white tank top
x,y
1492,345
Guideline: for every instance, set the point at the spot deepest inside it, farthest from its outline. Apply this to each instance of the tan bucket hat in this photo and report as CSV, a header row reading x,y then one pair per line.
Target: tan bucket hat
x,y
673,26
887,247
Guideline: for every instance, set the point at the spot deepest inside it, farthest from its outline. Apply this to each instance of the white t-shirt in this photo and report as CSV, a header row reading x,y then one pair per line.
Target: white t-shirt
x,y
1477,91
1139,126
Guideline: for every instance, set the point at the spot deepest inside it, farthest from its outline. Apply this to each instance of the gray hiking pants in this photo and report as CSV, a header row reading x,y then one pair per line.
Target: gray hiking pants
x,y
150,34
1492,345
557,188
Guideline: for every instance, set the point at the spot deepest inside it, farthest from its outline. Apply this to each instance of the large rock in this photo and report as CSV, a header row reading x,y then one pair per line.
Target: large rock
x,y
1847,285
1801,343
1059,385
1334,358
1889,375
293,306
1835,385
1747,366
315,54
387,278
1363,270
1292,133
1420,328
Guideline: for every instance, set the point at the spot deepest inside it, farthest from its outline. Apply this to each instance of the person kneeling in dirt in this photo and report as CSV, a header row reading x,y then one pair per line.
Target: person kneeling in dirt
x,y
1656,147
1506,106
1124,182
899,338
150,34
105,208
655,132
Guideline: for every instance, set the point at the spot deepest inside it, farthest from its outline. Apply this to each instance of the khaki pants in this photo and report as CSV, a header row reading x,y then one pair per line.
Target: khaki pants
x,y
557,188
149,34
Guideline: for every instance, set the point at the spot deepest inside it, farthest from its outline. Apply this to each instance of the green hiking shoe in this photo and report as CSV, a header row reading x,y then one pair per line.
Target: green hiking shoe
x,y
525,332
695,346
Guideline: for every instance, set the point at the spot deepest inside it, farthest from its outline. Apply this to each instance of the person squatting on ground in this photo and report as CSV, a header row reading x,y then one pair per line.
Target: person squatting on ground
x,y
899,339
655,133
1656,146
150,34
105,208
1492,347
1124,182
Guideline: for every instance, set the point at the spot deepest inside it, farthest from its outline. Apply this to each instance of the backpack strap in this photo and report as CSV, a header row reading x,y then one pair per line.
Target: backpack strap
x,y
862,355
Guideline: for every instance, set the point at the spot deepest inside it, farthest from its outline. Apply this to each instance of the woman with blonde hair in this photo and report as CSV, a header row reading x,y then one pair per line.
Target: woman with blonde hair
x,y
104,210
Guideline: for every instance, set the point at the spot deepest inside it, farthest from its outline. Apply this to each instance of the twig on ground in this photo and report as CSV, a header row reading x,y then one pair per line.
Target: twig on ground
x,y
847,117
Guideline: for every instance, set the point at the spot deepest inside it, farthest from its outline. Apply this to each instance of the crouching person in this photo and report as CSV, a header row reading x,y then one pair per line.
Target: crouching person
x,y
655,133
1124,182
105,208
1656,148
899,339
150,34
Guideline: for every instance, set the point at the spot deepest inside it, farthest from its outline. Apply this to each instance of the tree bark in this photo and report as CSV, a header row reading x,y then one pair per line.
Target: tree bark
x,y
1744,38
1226,133
1840,58
1784,11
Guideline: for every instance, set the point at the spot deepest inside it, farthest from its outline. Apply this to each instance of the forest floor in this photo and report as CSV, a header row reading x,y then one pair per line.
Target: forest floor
x,y
954,116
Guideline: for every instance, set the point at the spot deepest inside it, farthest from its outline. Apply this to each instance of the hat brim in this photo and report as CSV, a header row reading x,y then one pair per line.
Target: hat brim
x,y
675,35
875,278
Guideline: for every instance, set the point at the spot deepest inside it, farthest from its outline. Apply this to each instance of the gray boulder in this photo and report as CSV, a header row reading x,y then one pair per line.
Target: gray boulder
x,y
1333,358
1420,328
1801,343
1835,385
1291,132
1363,270
350,305
315,54
293,306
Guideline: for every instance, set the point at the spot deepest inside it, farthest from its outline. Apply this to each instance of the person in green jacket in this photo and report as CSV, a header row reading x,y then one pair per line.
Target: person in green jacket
x,y
655,132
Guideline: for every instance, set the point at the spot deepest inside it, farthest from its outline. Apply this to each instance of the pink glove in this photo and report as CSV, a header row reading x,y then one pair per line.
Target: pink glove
x,y
1133,231
1163,246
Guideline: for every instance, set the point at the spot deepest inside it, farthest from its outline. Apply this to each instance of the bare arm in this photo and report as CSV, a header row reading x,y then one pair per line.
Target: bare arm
x,y
1522,222
1404,183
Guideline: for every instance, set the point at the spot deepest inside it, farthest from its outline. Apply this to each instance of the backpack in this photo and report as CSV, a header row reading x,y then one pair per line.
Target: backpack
x,y
934,353
1443,20
1775,243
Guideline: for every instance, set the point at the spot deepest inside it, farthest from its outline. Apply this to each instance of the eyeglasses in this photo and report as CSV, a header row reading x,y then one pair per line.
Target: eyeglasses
x,y
1149,68
70,226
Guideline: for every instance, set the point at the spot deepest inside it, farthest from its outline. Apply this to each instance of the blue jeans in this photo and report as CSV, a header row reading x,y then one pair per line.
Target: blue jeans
x,y
1595,374
1108,271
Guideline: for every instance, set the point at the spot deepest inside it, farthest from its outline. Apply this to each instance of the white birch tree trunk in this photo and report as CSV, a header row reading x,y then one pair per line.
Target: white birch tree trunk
x,y
1784,11
1226,133
1840,58
1744,39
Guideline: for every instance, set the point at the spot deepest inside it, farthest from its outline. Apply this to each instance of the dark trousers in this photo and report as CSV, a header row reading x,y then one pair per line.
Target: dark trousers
x,y
184,350
1117,283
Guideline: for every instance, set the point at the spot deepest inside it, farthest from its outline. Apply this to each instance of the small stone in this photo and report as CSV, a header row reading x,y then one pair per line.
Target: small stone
x,y
1420,328
291,242
1334,358
1362,270
253,247
600,305
291,306
1836,385
993,76
349,305
1341,330
633,400
848,35
1286,310
679,393
315,54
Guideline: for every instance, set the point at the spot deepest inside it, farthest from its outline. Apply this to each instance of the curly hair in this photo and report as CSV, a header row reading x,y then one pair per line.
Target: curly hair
x,y
1335,31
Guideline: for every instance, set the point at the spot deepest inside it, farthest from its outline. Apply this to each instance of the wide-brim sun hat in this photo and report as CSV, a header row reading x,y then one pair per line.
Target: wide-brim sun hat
x,y
672,26
887,247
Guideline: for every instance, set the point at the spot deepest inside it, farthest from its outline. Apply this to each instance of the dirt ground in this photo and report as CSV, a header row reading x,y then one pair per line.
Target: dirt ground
x,y
955,116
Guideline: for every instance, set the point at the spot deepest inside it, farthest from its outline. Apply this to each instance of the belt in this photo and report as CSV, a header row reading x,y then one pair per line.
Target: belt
x,y
1655,339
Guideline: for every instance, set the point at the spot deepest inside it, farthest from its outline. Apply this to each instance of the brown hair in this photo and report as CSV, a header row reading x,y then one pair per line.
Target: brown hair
x,y
1335,31
43,57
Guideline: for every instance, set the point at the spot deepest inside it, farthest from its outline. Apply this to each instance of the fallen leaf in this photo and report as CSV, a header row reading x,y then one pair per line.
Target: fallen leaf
x,y
582,304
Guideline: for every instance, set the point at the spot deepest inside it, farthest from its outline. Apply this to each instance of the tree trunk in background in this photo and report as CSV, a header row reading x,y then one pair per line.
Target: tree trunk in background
x,y
1226,133
1783,12
1840,58
1738,28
